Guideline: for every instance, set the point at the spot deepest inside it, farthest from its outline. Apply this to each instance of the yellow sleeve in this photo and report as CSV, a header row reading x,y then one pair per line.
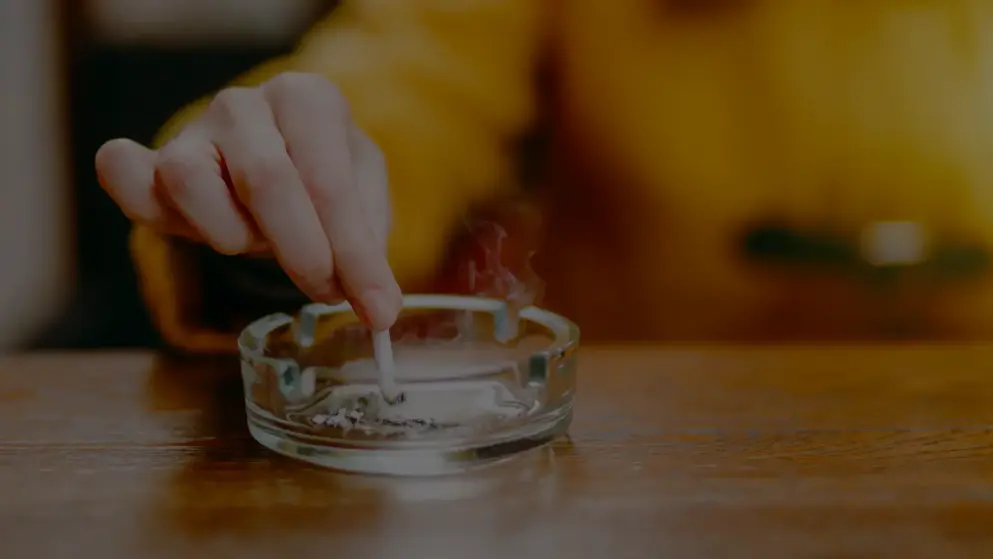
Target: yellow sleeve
x,y
442,86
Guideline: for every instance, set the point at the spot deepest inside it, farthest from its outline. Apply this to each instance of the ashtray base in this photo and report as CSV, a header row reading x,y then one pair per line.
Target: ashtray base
x,y
410,461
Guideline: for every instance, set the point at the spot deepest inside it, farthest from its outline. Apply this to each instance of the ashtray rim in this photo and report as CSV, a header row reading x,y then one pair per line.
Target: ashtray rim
x,y
251,339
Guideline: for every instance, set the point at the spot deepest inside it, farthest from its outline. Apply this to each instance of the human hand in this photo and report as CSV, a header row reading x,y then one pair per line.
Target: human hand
x,y
278,167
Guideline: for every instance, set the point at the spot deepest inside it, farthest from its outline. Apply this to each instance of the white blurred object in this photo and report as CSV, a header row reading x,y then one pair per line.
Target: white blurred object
x,y
35,227
198,22
894,243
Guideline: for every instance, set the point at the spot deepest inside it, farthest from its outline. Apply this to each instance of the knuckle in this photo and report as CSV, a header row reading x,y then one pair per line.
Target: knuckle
x,y
232,103
265,173
322,196
296,87
176,169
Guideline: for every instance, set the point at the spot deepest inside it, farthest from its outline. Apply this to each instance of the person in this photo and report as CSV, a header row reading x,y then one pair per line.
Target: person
x,y
711,170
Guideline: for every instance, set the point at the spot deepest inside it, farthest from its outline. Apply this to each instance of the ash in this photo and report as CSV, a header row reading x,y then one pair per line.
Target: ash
x,y
371,413
456,408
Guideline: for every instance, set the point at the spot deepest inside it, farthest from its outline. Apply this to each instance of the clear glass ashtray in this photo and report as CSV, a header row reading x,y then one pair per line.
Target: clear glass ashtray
x,y
481,382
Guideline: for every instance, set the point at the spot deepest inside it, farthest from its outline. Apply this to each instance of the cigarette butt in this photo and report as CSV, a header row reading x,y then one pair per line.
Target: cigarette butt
x,y
383,354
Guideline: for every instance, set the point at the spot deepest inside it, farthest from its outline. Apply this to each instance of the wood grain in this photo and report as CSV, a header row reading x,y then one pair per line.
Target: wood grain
x,y
704,452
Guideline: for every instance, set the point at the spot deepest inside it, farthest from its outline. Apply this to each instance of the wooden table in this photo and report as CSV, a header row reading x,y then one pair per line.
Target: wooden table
x,y
693,452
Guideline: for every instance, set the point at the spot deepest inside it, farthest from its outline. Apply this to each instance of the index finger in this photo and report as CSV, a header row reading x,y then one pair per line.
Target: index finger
x,y
315,128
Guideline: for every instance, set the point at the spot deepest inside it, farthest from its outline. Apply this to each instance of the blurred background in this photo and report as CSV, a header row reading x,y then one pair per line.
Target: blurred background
x,y
836,168
79,72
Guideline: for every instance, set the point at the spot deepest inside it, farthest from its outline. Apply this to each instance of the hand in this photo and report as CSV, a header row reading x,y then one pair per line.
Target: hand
x,y
279,167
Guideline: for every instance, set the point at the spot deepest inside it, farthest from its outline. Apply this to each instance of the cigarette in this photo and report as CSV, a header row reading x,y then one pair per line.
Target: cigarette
x,y
382,348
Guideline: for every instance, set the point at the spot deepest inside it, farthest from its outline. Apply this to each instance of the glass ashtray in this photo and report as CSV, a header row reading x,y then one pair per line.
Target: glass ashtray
x,y
481,382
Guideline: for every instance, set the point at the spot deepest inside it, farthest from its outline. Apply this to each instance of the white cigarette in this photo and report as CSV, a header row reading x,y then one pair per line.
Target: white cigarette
x,y
382,348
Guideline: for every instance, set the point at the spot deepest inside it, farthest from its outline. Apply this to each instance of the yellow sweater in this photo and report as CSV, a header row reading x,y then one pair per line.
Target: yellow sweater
x,y
684,144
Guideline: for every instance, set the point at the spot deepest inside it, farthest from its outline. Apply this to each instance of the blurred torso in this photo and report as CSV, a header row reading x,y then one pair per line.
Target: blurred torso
x,y
684,129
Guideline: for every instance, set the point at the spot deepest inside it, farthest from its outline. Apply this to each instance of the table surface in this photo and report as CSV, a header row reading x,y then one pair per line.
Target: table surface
x,y
831,452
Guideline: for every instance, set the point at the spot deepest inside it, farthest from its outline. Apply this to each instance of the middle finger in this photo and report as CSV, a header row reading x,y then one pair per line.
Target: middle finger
x,y
267,183
315,128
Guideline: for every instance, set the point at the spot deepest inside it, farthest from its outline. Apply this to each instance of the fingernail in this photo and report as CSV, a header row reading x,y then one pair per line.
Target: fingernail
x,y
379,309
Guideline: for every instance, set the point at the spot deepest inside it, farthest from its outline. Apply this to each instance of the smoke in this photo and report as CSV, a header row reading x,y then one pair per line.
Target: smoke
x,y
500,269
491,262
